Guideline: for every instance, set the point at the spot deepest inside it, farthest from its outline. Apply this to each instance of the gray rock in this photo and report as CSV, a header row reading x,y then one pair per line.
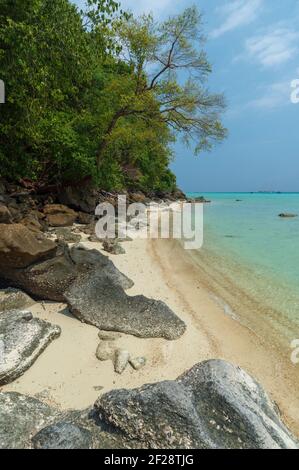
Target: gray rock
x,y
113,247
104,304
14,299
20,418
109,335
121,360
63,436
49,279
138,362
22,339
215,405
105,351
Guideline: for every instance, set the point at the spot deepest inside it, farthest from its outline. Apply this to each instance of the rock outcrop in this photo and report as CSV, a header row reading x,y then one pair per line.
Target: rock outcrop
x,y
49,279
215,405
99,301
19,247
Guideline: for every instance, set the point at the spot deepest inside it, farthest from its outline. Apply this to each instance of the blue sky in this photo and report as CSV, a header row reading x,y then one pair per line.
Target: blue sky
x,y
253,46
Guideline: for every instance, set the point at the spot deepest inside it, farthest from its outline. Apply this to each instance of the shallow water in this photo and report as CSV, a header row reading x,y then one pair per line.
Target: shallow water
x,y
252,256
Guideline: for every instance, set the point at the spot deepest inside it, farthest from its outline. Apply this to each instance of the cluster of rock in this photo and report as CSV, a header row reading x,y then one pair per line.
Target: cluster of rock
x,y
215,405
121,358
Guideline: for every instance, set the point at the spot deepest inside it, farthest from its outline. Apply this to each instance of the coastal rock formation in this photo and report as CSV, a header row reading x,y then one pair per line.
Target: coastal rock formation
x,y
14,299
22,339
215,405
49,279
19,247
102,303
20,418
63,436
59,215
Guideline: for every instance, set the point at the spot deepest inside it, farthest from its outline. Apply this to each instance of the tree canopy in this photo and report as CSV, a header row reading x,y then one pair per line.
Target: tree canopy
x,y
98,93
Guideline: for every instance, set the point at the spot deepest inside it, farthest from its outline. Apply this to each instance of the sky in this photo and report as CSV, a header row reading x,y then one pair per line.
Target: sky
x,y
253,46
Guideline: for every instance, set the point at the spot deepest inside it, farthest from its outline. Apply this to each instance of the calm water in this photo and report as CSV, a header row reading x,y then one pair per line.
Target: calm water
x,y
247,244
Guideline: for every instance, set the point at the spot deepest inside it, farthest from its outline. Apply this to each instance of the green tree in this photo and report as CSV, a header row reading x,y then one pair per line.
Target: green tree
x,y
176,93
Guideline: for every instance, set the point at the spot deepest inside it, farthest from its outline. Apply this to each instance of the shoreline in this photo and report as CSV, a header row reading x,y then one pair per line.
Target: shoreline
x,y
68,374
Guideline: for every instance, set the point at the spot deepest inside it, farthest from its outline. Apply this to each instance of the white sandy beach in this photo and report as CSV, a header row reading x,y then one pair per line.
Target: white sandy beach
x,y
69,375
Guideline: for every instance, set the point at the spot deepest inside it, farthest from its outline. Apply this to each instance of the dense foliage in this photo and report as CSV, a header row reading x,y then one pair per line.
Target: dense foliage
x,y
98,94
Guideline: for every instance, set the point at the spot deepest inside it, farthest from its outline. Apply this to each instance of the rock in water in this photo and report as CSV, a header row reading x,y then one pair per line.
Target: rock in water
x,y
121,360
19,247
20,418
104,304
213,406
63,436
22,339
14,299
288,216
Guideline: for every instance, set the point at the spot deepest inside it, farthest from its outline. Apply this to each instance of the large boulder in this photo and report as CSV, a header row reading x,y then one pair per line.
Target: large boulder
x,y
59,216
14,299
99,301
63,435
20,418
49,279
213,406
22,339
19,247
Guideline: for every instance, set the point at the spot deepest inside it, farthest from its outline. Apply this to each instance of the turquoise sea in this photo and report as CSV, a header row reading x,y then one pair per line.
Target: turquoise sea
x,y
251,257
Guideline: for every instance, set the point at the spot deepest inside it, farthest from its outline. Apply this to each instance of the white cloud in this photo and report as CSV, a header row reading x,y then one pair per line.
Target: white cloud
x,y
237,13
274,96
275,47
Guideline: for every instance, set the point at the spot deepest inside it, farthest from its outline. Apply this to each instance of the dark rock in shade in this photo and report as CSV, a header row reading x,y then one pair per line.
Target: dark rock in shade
x,y
59,215
99,301
20,418
19,247
288,216
14,299
85,219
63,436
81,199
22,339
48,280
113,247
215,405
5,215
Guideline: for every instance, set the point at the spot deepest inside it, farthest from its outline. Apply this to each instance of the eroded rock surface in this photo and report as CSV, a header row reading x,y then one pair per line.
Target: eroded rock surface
x,y
22,339
214,405
14,299
104,304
